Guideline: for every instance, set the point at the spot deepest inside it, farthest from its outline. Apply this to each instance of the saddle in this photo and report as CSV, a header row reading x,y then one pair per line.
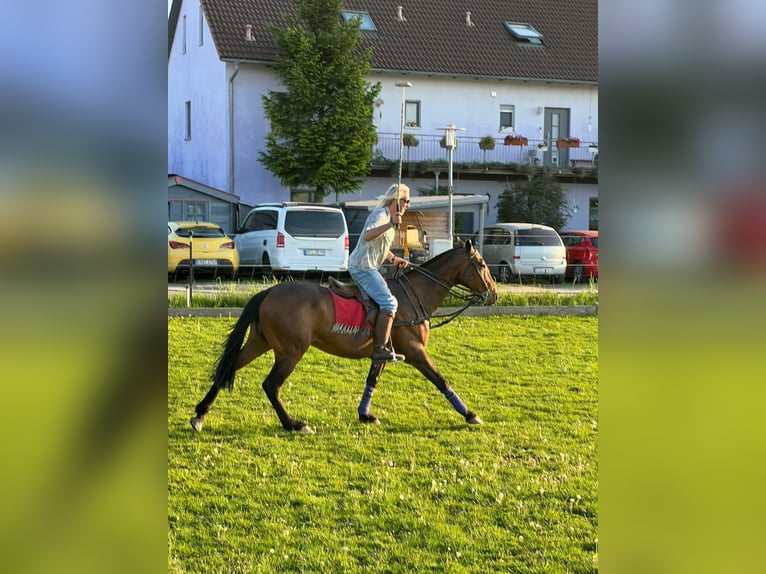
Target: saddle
x,y
352,291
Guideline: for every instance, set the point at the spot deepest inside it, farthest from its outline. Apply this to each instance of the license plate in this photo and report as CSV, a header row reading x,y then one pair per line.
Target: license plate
x,y
206,262
545,270
313,251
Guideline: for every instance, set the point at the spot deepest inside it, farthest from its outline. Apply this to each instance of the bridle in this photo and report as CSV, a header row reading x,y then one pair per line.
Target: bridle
x,y
463,293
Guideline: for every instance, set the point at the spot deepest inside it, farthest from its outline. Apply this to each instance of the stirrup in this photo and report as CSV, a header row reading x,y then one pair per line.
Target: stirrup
x,y
385,354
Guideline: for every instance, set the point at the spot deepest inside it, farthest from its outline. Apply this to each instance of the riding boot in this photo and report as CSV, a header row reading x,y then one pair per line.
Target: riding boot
x,y
383,350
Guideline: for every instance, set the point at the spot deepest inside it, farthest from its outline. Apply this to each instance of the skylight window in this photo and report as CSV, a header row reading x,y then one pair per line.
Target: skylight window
x,y
366,22
524,33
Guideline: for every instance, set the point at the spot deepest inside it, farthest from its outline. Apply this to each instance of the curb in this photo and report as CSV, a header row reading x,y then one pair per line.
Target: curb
x,y
559,310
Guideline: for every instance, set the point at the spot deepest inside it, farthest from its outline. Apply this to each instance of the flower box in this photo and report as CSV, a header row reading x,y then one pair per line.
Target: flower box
x,y
515,140
542,148
593,148
567,143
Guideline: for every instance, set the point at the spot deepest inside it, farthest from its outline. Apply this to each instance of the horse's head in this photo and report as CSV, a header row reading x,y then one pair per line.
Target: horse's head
x,y
476,275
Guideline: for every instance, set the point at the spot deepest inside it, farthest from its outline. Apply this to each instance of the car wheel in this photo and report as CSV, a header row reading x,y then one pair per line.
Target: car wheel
x,y
504,274
266,265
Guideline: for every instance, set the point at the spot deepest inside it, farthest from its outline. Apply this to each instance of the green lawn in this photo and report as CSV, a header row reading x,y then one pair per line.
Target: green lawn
x,y
423,491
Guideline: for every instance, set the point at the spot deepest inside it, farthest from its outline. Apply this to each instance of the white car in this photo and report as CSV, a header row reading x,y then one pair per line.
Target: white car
x,y
286,237
517,249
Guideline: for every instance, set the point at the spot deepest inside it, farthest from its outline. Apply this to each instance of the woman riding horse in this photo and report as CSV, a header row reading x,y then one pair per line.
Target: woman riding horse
x,y
293,316
367,258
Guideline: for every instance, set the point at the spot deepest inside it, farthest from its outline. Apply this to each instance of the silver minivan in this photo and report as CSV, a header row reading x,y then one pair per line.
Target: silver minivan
x,y
290,236
516,249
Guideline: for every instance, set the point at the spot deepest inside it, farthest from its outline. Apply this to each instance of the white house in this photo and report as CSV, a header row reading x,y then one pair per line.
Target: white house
x,y
528,68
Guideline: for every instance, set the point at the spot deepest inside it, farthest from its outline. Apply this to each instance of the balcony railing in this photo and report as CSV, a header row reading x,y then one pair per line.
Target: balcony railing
x,y
429,150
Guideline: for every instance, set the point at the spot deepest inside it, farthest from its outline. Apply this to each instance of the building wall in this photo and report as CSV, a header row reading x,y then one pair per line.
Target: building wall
x,y
197,76
474,104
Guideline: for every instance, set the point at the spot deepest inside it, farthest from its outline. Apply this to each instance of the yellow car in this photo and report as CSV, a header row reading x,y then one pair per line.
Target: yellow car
x,y
211,249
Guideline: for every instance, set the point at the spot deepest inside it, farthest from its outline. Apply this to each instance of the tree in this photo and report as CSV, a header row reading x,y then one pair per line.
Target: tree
x,y
321,132
537,200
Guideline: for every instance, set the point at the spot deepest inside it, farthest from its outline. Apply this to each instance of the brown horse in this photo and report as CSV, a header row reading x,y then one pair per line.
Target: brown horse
x,y
291,317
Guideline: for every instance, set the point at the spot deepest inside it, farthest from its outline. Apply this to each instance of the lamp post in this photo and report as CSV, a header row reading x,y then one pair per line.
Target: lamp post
x,y
450,142
403,86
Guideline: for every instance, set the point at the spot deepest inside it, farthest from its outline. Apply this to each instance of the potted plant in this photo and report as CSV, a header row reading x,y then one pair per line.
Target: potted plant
x,y
593,148
515,139
487,143
409,141
542,146
568,142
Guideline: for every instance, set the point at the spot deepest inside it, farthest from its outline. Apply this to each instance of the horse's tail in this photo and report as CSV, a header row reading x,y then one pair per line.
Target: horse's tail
x,y
223,373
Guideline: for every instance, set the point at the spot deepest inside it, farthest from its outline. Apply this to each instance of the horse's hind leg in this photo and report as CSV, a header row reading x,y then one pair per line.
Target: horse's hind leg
x,y
253,348
283,366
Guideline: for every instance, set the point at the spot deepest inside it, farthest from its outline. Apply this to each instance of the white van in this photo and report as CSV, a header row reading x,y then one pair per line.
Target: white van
x,y
517,249
289,236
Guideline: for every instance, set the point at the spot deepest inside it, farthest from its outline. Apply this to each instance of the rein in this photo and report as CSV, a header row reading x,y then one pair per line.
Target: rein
x,y
470,297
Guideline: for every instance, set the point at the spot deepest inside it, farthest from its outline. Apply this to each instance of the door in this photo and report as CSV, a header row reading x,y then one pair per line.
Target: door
x,y
258,231
556,128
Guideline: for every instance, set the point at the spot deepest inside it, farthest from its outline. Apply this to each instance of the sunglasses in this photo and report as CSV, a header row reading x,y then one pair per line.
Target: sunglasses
x,y
406,201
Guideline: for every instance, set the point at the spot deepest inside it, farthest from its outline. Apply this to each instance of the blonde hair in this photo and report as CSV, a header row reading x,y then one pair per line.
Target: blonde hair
x,y
393,193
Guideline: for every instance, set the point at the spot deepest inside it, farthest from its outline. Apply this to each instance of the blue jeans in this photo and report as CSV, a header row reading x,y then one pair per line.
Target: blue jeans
x,y
372,283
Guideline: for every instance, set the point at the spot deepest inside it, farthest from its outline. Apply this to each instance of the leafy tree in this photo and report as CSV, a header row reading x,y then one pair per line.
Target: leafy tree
x,y
537,200
321,126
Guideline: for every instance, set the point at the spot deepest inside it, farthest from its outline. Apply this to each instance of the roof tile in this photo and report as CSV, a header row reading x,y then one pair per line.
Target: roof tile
x,y
434,38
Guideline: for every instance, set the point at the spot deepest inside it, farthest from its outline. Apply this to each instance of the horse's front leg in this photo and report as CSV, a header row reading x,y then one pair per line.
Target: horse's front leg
x,y
373,376
423,363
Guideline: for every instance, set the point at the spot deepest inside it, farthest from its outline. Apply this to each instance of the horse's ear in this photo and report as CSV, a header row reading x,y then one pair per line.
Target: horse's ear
x,y
460,242
468,245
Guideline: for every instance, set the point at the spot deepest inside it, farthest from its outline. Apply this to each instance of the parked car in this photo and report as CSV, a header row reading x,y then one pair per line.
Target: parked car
x,y
285,237
212,251
513,250
582,254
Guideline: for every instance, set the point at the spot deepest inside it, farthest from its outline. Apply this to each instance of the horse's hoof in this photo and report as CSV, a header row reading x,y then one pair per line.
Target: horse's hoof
x,y
473,419
370,419
196,423
306,429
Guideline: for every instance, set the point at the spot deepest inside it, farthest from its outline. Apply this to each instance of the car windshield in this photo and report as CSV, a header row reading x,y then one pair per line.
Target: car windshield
x,y
200,232
526,237
594,241
304,223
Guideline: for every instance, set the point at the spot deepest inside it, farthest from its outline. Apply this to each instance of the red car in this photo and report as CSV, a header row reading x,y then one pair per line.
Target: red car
x,y
582,254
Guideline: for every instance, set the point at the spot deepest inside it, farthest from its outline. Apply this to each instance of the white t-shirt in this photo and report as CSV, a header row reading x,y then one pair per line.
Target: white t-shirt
x,y
372,254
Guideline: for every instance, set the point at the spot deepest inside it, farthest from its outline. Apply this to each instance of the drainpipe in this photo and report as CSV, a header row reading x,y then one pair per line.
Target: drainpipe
x,y
231,129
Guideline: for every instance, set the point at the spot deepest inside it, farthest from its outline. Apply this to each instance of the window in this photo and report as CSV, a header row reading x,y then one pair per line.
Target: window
x,y
307,223
365,23
527,237
187,135
506,118
186,210
261,221
497,237
201,22
412,113
524,33
183,32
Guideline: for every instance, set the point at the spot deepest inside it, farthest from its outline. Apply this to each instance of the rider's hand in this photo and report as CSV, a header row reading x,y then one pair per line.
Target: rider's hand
x,y
400,263
396,219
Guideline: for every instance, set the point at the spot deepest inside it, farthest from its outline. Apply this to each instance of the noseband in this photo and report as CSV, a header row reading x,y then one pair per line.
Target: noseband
x,y
468,296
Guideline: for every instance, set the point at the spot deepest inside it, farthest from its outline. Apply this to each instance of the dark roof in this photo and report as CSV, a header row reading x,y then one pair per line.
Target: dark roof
x,y
434,37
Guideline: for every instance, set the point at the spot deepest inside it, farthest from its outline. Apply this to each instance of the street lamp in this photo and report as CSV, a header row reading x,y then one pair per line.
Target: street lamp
x,y
450,142
403,86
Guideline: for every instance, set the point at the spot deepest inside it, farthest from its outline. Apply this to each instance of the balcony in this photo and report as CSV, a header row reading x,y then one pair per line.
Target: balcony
x,y
471,162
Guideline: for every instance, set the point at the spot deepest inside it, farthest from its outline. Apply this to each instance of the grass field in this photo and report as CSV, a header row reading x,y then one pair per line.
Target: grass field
x,y
423,491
